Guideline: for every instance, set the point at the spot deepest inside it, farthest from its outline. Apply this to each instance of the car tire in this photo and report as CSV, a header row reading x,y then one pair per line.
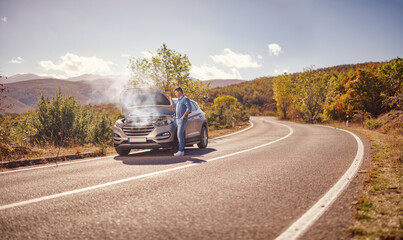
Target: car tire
x,y
203,138
122,152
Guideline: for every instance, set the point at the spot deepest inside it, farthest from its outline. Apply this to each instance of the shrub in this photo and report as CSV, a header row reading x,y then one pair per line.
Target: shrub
x,y
373,123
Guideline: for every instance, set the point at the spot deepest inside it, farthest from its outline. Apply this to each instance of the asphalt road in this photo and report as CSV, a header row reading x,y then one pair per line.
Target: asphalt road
x,y
251,185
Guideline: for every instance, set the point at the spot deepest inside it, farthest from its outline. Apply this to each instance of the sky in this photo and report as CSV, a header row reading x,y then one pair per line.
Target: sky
x,y
224,39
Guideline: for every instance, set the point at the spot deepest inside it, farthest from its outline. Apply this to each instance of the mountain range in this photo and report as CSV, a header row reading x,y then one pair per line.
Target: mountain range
x,y
23,90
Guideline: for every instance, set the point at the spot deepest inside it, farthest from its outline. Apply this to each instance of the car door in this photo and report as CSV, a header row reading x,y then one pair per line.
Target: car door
x,y
195,121
191,131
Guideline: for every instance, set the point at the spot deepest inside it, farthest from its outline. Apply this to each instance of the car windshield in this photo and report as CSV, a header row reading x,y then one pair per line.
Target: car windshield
x,y
134,98
150,112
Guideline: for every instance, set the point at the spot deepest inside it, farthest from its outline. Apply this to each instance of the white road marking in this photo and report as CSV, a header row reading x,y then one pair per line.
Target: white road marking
x,y
53,165
299,227
237,132
93,159
40,199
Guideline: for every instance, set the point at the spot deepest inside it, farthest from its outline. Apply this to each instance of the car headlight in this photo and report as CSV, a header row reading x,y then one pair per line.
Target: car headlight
x,y
163,123
119,124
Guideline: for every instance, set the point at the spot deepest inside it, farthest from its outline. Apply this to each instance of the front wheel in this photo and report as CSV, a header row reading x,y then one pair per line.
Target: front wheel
x,y
203,138
122,152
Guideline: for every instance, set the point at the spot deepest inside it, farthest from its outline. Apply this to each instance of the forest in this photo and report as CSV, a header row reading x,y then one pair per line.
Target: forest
x,y
355,91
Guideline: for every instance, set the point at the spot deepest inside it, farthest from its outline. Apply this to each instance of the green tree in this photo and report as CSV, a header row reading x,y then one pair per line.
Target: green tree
x,y
166,70
56,118
82,130
103,131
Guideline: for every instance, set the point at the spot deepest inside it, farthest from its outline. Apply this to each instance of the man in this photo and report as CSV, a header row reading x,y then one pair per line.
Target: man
x,y
182,110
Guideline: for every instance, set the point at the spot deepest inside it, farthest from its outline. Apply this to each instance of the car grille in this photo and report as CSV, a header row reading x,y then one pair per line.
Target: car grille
x,y
131,131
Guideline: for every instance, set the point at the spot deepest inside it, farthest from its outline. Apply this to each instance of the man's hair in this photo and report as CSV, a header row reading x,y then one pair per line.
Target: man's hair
x,y
179,89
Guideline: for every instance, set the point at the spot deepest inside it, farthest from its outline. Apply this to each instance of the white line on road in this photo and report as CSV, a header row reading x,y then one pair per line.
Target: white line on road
x,y
54,165
40,199
299,227
93,159
237,132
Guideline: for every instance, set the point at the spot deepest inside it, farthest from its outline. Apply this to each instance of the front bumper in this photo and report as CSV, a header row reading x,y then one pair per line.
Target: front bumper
x,y
159,137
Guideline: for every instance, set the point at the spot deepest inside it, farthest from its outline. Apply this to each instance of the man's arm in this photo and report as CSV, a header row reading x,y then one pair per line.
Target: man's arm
x,y
188,108
185,114
171,101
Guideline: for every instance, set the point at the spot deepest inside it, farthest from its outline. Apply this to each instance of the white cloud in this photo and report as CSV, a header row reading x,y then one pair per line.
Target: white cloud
x,y
4,19
259,57
280,72
125,55
274,49
147,55
74,65
232,59
17,60
206,73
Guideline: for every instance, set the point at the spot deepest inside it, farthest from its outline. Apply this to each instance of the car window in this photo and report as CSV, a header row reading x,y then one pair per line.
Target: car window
x,y
194,106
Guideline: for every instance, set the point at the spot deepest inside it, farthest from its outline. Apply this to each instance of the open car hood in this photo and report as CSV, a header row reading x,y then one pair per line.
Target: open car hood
x,y
144,98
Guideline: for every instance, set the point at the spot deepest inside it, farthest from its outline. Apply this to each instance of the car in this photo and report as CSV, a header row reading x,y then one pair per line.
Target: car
x,y
149,123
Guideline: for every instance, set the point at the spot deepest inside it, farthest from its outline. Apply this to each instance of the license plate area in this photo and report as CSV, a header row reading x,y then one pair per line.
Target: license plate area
x,y
137,140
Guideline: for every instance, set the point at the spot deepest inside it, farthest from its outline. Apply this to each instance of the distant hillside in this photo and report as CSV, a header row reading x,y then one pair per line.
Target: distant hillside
x,y
19,78
255,95
215,83
24,95
23,90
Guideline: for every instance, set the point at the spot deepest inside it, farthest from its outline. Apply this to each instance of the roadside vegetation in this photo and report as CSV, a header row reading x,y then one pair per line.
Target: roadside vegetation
x,y
379,207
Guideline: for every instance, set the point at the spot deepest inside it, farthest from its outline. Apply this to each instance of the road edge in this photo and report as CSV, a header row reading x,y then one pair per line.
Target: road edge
x,y
302,225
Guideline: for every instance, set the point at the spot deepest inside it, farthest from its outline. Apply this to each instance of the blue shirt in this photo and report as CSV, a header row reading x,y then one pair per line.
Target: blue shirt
x,y
182,105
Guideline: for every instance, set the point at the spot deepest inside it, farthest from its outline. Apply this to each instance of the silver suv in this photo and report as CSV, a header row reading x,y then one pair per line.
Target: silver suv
x,y
149,123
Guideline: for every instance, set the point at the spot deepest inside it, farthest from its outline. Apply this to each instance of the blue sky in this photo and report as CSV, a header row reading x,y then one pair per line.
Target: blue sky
x,y
223,39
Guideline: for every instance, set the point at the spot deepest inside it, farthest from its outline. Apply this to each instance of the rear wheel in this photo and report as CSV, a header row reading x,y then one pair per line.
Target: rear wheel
x,y
122,152
203,138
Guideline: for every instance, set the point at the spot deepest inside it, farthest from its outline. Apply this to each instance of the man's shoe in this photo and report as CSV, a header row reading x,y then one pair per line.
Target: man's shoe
x,y
179,153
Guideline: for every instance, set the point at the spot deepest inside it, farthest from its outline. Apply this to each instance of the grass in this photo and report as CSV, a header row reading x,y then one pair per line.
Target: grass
x,y
379,214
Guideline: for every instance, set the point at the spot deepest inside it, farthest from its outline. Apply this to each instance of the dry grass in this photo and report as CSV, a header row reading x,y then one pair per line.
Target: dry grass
x,y
50,151
379,213
219,132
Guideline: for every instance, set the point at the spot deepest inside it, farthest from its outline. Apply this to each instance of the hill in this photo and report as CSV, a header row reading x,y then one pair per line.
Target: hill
x,y
24,95
19,78
216,83
359,91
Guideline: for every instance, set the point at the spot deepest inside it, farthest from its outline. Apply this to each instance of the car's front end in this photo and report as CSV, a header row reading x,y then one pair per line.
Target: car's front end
x,y
148,123
156,130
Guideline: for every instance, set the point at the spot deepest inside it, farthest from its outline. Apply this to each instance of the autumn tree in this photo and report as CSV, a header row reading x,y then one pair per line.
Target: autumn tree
x,y
392,77
282,91
226,110
3,105
364,93
166,69
310,94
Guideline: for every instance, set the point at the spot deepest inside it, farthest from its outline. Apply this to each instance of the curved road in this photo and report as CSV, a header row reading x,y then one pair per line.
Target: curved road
x,y
250,185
